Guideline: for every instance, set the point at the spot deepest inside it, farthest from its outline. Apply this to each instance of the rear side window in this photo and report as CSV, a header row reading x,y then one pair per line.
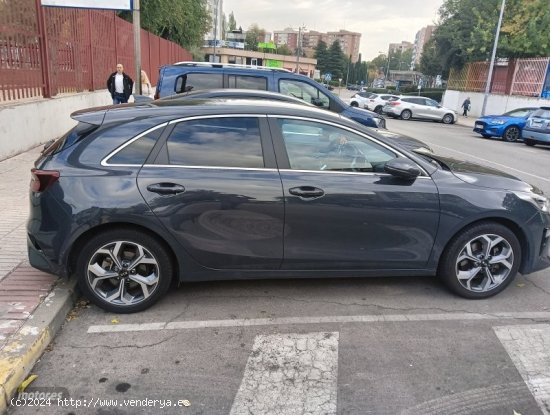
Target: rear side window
x,y
247,82
197,81
216,142
542,113
138,149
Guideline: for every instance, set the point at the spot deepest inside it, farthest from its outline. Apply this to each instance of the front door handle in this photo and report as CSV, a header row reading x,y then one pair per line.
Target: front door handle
x,y
306,192
166,188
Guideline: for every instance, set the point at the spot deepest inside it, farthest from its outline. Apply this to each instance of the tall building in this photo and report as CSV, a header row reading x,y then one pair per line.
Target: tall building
x,y
403,46
215,7
287,37
349,41
420,40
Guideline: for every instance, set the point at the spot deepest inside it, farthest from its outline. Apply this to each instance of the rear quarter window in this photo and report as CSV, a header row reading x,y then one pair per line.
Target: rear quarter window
x,y
196,81
135,152
542,114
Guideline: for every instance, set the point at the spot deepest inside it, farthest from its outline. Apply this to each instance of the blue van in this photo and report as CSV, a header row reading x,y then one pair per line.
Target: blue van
x,y
193,76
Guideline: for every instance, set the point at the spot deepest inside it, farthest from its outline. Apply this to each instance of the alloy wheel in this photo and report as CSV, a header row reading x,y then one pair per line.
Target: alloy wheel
x,y
484,263
511,134
123,273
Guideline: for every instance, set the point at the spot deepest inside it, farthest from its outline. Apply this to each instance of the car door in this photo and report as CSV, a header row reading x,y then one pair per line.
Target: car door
x,y
434,111
214,186
306,92
342,211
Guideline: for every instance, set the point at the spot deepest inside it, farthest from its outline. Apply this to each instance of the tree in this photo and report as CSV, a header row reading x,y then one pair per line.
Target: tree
x,y
430,64
183,21
336,60
254,35
284,50
467,30
231,23
322,56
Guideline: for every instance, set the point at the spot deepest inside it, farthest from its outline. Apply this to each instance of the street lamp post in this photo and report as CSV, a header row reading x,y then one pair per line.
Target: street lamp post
x,y
299,48
492,64
387,68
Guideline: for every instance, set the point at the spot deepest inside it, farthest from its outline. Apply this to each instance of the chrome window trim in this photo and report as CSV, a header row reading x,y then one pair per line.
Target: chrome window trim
x,y
199,117
368,173
105,161
179,166
359,133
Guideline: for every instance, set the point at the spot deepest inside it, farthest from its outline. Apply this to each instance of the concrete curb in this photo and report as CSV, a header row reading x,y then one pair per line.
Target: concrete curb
x,y
24,349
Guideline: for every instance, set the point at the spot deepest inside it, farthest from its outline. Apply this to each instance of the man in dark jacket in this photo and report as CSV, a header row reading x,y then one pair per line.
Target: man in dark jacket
x,y
466,105
120,85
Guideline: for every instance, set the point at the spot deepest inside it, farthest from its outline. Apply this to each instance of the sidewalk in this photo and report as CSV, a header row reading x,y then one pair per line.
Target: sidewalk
x,y
468,121
33,304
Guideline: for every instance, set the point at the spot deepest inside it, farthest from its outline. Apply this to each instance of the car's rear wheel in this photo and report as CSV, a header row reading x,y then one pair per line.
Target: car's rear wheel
x,y
511,134
529,142
406,115
481,261
378,109
448,119
123,270
354,104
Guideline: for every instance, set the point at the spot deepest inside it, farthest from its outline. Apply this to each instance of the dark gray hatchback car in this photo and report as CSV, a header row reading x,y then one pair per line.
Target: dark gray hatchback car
x,y
136,196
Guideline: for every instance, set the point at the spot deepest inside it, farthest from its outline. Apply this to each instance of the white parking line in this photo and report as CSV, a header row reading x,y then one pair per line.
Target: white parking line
x,y
290,374
529,349
491,162
201,324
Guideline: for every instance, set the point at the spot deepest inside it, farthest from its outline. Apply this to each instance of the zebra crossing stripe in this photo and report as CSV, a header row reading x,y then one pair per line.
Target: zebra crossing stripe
x,y
529,348
290,374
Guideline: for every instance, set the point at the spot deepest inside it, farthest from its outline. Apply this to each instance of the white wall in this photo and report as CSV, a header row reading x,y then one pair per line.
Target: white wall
x,y
496,104
26,125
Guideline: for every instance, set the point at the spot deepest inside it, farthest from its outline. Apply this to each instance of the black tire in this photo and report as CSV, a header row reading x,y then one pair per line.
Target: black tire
x,y
448,119
486,135
354,104
511,134
154,251
449,265
406,115
529,142
378,109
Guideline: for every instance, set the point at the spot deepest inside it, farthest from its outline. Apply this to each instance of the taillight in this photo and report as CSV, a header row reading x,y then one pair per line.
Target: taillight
x,y
42,179
394,103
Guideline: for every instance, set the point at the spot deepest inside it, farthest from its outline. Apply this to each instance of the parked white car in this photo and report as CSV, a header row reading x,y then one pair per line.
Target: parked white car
x,y
377,102
406,108
360,99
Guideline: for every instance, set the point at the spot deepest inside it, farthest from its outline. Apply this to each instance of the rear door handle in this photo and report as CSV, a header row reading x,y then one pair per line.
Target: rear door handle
x,y
306,192
166,188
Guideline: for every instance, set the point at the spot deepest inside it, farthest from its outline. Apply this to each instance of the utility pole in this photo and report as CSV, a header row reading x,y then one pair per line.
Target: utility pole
x,y
137,44
216,29
347,76
387,68
299,48
492,64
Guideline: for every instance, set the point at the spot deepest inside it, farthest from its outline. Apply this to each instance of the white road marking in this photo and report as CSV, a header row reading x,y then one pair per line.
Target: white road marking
x,y
289,374
529,349
491,162
202,324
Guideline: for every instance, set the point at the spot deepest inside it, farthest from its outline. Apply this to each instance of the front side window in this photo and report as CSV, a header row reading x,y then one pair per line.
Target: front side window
x,y
248,82
216,142
321,147
304,91
197,81
432,103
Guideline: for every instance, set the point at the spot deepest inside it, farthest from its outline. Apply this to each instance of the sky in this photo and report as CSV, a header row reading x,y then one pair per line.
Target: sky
x,y
380,22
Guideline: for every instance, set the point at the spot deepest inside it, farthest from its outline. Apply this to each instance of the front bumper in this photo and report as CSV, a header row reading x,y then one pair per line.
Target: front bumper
x,y
536,135
494,130
539,255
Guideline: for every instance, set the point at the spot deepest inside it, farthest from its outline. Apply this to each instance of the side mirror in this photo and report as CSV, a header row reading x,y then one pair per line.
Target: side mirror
x,y
317,102
403,168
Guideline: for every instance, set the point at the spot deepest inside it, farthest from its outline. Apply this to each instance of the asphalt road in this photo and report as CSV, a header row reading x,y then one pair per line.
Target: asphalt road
x,y
341,346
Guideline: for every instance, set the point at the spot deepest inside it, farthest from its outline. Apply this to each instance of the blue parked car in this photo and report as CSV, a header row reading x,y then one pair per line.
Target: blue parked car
x,y
507,126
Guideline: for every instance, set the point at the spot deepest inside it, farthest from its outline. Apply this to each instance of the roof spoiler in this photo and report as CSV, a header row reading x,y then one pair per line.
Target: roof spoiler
x,y
94,116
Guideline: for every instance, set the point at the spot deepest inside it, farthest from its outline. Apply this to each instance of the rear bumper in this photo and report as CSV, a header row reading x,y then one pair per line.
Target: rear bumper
x,y
39,260
536,135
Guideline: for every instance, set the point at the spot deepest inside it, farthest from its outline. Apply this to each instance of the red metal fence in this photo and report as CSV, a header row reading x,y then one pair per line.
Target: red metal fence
x,y
80,48
514,77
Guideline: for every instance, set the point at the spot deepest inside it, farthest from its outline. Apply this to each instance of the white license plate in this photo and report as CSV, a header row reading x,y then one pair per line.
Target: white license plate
x,y
479,125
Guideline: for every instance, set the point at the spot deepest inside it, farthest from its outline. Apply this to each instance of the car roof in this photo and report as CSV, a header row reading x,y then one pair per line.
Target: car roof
x,y
234,93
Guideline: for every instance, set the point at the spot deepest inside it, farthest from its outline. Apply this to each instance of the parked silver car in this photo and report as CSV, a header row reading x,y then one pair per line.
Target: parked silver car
x,y
377,101
419,107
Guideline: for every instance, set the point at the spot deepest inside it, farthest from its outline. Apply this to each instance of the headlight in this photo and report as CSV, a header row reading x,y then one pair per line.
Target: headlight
x,y
497,122
540,201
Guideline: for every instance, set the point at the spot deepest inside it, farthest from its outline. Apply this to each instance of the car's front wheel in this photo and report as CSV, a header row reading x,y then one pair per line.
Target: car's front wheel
x,y
481,261
511,134
354,104
124,270
406,115
448,119
378,109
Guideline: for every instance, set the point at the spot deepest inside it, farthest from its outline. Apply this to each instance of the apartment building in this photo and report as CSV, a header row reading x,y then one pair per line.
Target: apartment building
x,y
420,40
